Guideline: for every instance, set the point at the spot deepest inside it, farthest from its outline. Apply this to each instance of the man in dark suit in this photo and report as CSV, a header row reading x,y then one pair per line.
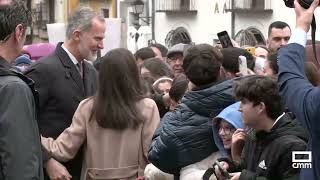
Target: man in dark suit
x,y
65,78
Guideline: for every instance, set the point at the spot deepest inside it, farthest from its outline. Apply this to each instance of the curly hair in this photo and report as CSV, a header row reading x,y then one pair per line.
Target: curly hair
x,y
259,89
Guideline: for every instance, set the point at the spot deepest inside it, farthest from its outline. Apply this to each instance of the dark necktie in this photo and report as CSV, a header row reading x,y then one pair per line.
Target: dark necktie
x,y
80,68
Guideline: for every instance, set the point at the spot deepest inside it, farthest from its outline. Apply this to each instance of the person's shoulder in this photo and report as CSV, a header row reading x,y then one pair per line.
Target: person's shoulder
x,y
12,81
86,103
44,62
290,142
147,103
13,85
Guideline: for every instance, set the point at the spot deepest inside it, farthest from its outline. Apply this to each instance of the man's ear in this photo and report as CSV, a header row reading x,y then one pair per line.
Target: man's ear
x,y
267,42
222,72
19,32
262,107
76,35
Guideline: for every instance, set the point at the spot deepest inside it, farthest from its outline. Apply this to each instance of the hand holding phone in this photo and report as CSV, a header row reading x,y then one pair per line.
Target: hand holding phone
x,y
225,39
243,69
223,172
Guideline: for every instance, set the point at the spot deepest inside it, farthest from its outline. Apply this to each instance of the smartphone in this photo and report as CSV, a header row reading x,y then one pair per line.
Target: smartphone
x,y
225,39
224,172
243,69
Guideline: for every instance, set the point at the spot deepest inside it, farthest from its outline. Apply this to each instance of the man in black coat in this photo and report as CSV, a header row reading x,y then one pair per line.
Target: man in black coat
x,y
185,136
20,146
65,78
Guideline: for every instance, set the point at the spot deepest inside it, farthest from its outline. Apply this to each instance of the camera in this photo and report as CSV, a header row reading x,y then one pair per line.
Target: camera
x,y
304,3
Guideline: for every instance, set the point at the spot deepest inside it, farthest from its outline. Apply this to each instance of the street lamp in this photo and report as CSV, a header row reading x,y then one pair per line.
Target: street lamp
x,y
138,7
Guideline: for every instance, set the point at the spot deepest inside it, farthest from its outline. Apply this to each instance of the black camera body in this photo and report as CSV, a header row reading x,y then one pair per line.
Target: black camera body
x,y
304,3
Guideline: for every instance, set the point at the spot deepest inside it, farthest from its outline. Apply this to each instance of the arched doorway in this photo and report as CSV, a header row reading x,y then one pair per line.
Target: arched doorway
x,y
176,36
250,37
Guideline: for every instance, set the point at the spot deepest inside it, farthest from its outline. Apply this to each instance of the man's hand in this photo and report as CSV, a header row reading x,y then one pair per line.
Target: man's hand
x,y
235,176
304,16
249,72
56,171
237,143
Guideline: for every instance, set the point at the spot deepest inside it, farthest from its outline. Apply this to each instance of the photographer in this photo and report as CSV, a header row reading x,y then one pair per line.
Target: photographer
x,y
300,96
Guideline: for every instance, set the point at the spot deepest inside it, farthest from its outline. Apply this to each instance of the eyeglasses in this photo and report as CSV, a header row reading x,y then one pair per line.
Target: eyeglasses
x,y
175,58
226,130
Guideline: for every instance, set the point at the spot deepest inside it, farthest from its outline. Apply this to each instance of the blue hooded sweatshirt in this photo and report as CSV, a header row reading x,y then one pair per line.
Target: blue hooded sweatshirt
x,y
232,115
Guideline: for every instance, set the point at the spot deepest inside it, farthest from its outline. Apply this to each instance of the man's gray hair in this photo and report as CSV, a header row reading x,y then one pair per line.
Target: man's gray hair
x,y
81,19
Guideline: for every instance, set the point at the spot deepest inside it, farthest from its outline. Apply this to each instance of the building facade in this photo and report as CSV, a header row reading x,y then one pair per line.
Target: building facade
x,y
57,11
203,19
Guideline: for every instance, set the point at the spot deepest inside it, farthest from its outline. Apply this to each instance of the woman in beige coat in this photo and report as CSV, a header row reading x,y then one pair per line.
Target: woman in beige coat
x,y
115,126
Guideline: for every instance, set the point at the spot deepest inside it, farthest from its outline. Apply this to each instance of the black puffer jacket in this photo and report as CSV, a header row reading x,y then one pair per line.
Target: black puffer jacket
x,y
269,155
185,135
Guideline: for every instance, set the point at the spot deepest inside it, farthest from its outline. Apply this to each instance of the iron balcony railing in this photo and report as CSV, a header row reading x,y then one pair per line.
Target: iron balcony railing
x,y
249,5
175,5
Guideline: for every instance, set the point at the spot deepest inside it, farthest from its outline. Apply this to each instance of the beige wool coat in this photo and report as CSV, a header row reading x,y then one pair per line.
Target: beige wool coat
x,y
108,153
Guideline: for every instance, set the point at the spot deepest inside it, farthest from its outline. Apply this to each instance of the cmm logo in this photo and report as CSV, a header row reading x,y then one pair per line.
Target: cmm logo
x,y
301,159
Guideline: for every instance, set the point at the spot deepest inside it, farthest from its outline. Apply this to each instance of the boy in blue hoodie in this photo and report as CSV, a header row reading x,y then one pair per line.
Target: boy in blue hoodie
x,y
224,125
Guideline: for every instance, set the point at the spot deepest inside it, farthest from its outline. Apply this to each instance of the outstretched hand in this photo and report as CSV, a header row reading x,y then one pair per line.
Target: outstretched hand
x,y
56,171
304,16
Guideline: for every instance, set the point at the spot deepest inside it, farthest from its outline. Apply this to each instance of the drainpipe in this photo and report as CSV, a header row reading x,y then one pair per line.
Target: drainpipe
x,y
233,17
233,24
153,16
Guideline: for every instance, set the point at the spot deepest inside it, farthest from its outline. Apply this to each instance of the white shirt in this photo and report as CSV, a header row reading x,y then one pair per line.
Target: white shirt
x,y
298,36
278,119
71,56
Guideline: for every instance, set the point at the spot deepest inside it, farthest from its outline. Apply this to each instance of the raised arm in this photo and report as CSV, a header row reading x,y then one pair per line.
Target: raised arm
x,y
300,96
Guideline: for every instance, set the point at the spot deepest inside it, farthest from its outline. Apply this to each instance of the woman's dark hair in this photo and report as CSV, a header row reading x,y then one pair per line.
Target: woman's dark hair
x,y
273,64
157,68
147,88
144,53
162,48
230,59
259,89
119,90
178,89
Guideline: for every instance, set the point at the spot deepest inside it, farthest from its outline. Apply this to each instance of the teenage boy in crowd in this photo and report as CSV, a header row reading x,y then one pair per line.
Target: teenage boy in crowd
x,y
267,153
185,134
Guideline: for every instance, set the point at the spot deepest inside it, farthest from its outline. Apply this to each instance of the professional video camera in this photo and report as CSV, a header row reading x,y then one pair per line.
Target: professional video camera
x,y
304,3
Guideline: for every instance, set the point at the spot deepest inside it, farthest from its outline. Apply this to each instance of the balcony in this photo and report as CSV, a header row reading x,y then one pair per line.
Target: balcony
x,y
175,6
247,6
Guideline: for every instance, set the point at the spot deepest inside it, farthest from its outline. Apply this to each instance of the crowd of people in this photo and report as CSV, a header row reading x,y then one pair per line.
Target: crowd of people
x,y
162,113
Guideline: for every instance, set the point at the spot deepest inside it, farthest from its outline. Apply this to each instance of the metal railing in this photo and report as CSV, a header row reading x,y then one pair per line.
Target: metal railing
x,y
175,5
262,5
